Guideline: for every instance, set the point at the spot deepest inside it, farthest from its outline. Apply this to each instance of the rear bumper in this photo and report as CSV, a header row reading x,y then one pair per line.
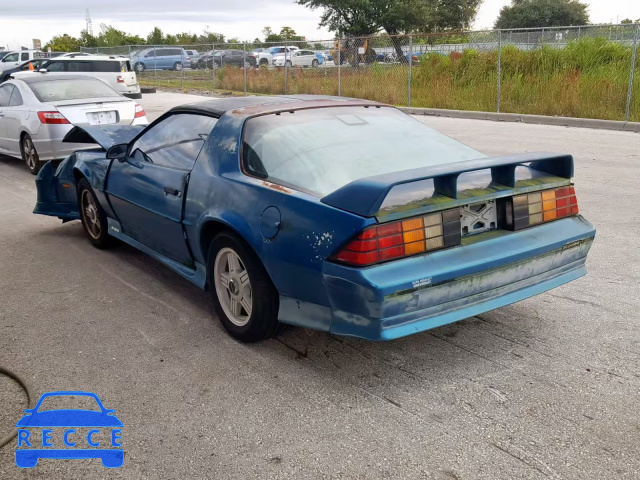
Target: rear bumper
x,y
419,293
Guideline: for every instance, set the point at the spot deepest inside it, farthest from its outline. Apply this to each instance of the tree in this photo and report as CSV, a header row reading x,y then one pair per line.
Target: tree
x,y
395,17
628,20
156,37
63,43
542,13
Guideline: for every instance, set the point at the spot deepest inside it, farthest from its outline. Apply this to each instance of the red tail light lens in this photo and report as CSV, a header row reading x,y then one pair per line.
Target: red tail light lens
x,y
404,238
540,207
140,112
120,79
55,118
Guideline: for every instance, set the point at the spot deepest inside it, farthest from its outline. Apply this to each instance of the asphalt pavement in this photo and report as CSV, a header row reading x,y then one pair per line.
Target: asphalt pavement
x,y
545,388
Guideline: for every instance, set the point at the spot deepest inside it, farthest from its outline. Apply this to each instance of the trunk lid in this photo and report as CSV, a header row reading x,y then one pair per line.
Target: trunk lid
x,y
97,111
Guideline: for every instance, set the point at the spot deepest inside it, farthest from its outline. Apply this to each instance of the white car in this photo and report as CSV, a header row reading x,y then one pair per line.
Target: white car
x,y
116,71
264,56
16,59
302,58
37,111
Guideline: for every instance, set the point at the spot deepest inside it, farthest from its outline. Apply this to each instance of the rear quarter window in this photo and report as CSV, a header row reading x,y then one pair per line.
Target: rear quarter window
x,y
113,66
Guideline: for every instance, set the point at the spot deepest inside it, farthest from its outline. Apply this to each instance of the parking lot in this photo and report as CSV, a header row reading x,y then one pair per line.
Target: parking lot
x,y
546,388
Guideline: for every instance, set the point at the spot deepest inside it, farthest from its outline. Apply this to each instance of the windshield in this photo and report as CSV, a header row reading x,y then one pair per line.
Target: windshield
x,y
71,89
320,150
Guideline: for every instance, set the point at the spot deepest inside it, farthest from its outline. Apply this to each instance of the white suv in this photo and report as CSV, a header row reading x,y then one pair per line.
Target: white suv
x,y
115,71
15,59
264,57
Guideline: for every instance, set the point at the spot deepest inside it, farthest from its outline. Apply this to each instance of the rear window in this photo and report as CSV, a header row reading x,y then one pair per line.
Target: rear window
x,y
71,89
320,150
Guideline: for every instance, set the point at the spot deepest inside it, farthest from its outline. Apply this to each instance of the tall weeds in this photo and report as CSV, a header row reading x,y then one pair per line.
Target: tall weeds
x,y
588,78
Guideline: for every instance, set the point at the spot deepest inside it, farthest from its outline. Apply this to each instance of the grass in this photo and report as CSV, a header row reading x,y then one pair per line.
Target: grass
x,y
586,79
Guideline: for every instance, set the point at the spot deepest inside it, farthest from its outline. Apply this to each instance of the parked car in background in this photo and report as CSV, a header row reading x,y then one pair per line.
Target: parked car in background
x,y
160,58
301,58
238,58
15,59
205,60
26,66
321,57
193,56
336,214
116,71
37,111
328,56
282,51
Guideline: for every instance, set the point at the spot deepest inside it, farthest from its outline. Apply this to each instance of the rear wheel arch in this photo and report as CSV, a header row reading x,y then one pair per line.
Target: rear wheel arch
x,y
212,228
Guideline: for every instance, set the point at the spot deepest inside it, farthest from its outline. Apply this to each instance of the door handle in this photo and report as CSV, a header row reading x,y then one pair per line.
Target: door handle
x,y
172,191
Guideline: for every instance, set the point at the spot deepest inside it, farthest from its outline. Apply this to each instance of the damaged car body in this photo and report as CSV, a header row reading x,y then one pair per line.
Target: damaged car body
x,y
336,214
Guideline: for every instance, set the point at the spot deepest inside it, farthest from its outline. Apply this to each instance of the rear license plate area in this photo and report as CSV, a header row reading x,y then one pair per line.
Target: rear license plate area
x,y
102,118
478,217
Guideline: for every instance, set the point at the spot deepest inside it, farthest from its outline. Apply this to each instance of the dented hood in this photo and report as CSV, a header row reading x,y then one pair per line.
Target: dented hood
x,y
104,135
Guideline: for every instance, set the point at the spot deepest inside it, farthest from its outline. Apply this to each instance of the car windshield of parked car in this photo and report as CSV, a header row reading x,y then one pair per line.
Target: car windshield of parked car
x,y
71,89
320,150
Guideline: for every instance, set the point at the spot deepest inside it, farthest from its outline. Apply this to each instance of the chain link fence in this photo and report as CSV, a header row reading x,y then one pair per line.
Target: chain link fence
x,y
583,71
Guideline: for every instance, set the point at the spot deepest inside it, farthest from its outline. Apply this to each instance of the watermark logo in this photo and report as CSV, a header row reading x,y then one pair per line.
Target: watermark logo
x,y
92,431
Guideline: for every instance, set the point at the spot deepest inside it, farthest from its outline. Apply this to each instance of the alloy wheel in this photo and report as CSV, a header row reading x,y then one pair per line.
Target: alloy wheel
x,y
90,214
233,286
30,153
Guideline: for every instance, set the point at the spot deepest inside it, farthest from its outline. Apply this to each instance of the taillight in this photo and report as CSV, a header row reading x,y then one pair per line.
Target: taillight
x,y
523,211
188,58
55,118
405,238
140,112
120,79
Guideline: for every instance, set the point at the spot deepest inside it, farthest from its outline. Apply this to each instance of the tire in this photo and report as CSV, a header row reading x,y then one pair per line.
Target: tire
x,y
30,154
177,66
139,67
244,298
315,63
92,215
264,62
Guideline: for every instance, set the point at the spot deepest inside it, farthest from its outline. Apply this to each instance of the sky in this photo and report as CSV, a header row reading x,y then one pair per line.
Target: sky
x,y
21,21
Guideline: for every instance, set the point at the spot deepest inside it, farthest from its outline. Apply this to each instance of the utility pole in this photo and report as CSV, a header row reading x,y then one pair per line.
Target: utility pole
x,y
89,24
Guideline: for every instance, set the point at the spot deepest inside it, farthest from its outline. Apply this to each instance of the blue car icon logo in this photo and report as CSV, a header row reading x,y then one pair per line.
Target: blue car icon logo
x,y
69,433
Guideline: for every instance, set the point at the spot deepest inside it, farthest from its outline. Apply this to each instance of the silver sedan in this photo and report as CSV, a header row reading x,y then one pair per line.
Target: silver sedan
x,y
37,112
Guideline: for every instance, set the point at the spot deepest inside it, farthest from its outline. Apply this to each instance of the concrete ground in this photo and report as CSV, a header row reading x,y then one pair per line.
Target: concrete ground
x,y
546,388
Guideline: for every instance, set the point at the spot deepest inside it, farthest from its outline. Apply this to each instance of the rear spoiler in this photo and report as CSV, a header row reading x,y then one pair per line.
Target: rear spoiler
x,y
104,135
365,196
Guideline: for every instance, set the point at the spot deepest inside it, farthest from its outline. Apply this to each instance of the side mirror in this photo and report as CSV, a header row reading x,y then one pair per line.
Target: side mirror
x,y
117,152
43,70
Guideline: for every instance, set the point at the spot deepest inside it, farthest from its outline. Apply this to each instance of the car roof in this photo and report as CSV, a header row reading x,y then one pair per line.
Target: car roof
x,y
48,77
250,106
86,58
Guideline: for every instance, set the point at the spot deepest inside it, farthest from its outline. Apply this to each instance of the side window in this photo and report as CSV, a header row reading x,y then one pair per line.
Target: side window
x,y
24,57
151,54
55,67
5,95
79,66
175,142
100,66
12,57
16,98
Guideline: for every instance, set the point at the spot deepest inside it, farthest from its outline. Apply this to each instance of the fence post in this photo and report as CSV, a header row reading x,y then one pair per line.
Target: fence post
x,y
213,67
182,69
286,69
155,68
339,65
633,68
409,79
244,49
499,67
